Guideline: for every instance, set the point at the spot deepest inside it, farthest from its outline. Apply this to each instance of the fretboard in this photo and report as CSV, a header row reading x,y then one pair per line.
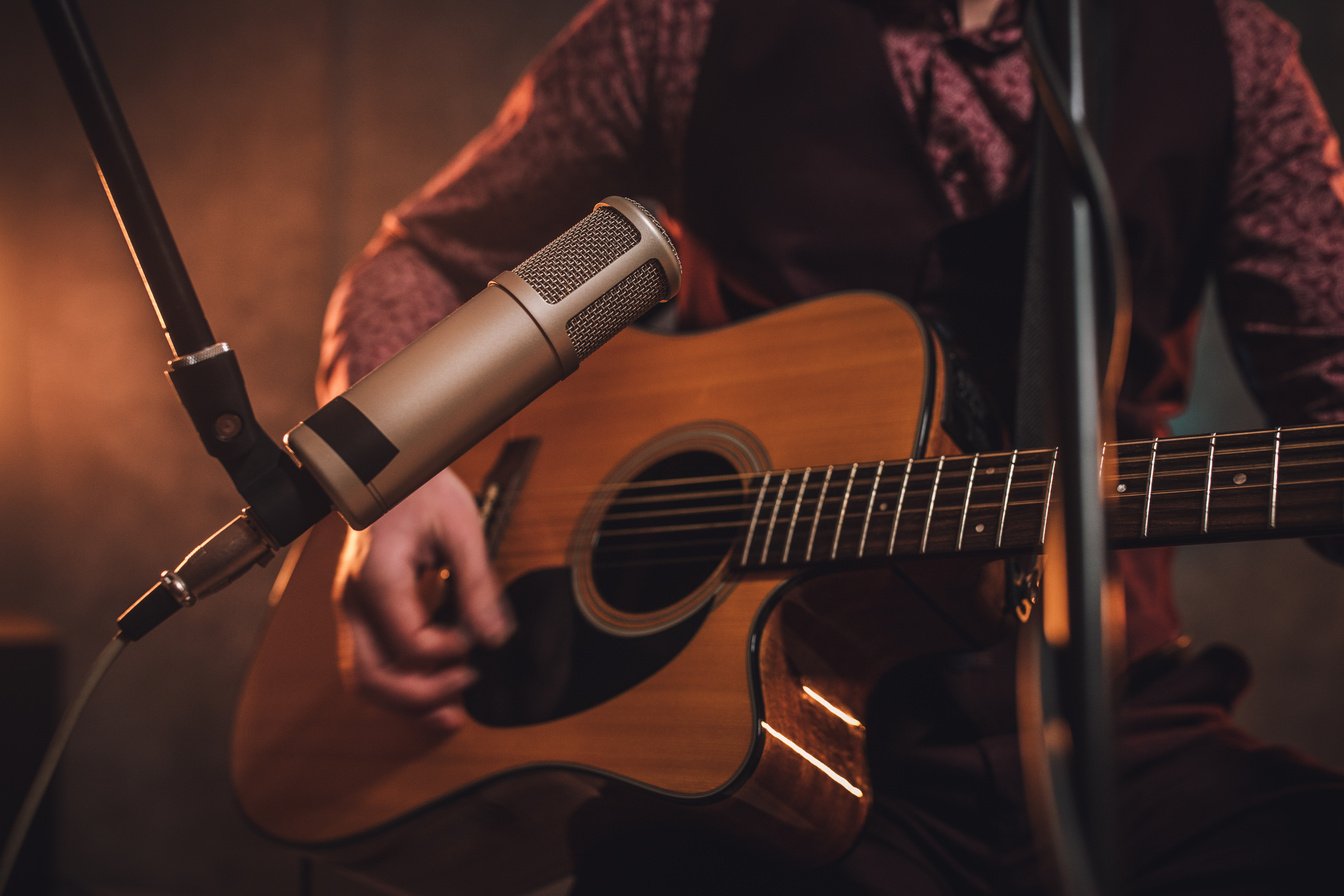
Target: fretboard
x,y
1188,489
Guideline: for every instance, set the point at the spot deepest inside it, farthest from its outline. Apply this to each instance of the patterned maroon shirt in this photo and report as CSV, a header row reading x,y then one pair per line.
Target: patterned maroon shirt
x,y
605,109
621,78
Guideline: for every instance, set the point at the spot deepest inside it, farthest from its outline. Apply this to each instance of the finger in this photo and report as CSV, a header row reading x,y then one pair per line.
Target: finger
x,y
481,603
413,691
446,719
379,587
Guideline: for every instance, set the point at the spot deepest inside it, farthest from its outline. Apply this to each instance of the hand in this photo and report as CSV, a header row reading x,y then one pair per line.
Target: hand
x,y
391,651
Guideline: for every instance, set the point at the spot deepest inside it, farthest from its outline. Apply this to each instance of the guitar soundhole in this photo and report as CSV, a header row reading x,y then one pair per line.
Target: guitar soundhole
x,y
667,531
648,556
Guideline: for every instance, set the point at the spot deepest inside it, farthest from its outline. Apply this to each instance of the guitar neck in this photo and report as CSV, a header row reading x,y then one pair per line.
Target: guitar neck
x,y
1231,486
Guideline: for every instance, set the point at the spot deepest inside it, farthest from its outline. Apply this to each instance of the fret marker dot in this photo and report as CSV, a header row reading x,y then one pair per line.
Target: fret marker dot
x,y
1122,488
990,471
882,506
979,528
1239,479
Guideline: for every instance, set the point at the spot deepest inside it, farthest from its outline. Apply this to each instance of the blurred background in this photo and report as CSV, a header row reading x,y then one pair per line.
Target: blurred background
x,y
276,133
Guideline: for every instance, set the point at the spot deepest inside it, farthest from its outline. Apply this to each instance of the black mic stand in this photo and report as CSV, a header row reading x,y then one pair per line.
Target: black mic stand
x,y
283,501
1066,661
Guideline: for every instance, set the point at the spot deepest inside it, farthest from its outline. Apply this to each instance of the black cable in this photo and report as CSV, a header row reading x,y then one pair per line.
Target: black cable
x,y
42,780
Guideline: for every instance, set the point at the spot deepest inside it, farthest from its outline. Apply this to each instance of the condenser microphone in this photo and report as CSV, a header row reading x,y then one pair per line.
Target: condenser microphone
x,y
396,428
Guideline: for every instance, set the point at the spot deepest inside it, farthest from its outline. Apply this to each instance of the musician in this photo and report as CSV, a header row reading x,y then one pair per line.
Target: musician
x,y
800,147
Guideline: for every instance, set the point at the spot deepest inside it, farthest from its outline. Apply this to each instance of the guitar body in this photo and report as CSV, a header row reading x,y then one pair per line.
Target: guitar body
x,y
637,694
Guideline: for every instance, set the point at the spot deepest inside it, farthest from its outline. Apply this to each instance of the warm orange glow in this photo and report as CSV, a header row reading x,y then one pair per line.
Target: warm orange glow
x,y
1332,163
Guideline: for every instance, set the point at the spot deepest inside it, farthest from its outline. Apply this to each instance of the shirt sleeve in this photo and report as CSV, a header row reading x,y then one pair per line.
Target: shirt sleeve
x,y
1282,268
1281,283
573,130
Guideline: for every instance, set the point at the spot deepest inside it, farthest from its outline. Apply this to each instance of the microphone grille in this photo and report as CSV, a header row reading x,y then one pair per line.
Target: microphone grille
x,y
578,254
626,301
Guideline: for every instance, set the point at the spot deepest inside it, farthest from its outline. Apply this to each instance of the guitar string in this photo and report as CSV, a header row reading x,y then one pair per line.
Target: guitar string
x,y
986,485
547,500
1114,499
908,546
909,542
948,509
950,484
866,466
722,547
1141,456
738,509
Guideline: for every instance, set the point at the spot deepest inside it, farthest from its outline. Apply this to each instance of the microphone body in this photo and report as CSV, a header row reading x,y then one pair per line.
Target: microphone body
x,y
399,426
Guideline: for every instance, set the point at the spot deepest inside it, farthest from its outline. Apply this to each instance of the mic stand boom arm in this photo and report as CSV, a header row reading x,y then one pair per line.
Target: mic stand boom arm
x,y
282,500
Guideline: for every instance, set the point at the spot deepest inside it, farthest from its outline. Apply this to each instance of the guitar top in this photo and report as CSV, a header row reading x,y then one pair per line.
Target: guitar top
x,y
653,518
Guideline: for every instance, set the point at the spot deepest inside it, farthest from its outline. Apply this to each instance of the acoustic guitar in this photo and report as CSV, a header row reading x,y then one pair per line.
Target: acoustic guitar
x,y
710,563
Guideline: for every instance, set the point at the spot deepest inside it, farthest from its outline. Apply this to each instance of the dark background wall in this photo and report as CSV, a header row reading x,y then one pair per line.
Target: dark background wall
x,y
276,134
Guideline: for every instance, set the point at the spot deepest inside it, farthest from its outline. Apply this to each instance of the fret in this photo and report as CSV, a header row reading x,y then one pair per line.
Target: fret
x,y
933,496
1310,490
1274,480
966,504
849,508
755,516
1208,485
1182,490
868,514
980,516
793,518
816,517
900,503
1007,490
1222,486
1148,494
1049,490
1161,490
1016,513
947,479
774,516
1240,482
844,506
1125,515
1101,468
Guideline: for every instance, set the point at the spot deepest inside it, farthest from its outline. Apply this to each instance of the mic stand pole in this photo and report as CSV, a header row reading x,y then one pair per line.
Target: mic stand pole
x,y
205,372
283,501
1068,734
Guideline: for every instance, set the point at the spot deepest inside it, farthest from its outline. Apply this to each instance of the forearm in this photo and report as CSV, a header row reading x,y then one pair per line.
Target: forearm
x,y
1282,276
384,301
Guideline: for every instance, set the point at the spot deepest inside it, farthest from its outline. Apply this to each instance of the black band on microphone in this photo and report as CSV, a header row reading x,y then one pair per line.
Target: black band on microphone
x,y
363,447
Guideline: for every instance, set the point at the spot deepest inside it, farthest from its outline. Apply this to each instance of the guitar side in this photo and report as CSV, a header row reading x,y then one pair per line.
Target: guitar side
x,y
754,725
